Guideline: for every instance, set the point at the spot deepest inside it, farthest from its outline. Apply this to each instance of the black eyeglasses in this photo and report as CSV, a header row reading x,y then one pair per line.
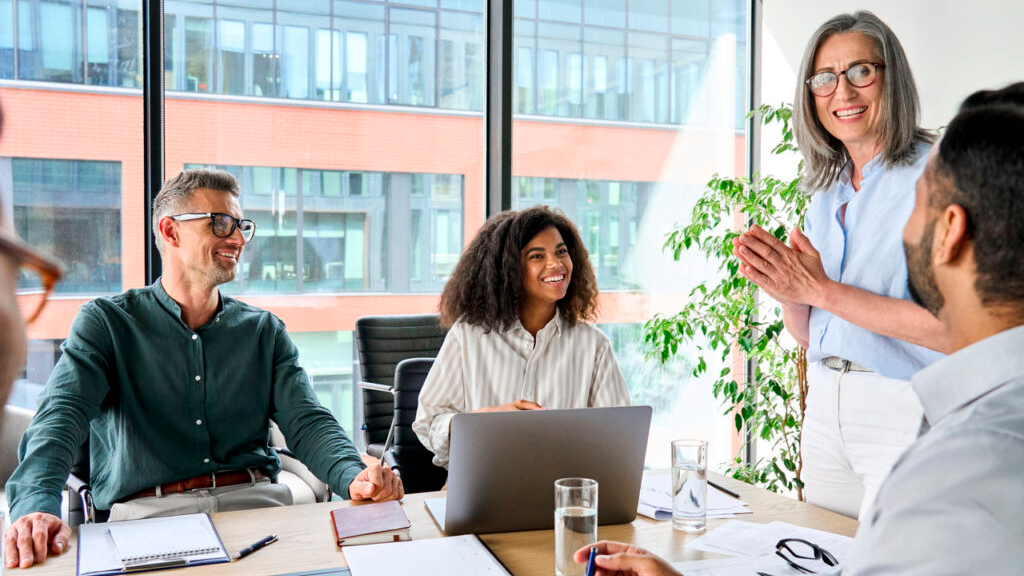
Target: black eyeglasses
x,y
223,225
860,75
798,553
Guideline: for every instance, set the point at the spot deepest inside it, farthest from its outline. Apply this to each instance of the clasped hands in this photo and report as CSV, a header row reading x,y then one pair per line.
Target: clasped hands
x,y
790,274
377,483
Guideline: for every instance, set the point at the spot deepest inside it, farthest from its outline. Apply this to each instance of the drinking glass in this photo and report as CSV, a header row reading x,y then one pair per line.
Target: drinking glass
x,y
575,522
689,485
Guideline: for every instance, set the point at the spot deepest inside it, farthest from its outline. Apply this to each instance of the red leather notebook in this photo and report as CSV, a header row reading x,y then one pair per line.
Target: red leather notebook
x,y
370,523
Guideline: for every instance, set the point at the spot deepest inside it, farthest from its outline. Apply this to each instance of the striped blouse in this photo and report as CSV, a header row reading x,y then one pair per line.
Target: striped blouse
x,y
568,367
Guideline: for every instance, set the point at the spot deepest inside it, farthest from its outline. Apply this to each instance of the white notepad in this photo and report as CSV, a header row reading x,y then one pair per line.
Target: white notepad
x,y
455,556
118,547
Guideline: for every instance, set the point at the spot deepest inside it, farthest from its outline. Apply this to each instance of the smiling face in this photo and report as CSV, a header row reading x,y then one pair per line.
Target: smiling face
x,y
205,255
547,268
853,115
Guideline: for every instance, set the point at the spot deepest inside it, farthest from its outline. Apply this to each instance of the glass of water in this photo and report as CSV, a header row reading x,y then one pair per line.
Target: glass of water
x,y
689,485
575,522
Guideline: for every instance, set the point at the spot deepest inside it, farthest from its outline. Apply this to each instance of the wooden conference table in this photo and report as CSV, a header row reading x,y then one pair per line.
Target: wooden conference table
x,y
307,541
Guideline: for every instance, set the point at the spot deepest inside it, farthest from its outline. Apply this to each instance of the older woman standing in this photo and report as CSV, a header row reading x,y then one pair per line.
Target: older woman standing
x,y
843,285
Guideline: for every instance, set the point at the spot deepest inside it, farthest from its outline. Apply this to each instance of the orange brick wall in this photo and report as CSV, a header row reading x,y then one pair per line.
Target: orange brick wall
x,y
100,126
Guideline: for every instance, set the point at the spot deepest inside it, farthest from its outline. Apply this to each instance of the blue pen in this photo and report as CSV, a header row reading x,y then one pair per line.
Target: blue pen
x,y
590,562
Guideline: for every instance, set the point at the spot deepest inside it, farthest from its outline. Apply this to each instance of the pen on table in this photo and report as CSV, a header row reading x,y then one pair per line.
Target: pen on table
x,y
590,562
726,490
254,547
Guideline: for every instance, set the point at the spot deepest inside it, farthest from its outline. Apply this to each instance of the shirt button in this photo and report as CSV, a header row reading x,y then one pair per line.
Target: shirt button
x,y
195,336
199,422
197,377
206,460
217,319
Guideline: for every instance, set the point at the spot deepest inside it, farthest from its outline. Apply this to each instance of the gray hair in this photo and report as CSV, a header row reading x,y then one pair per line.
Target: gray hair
x,y
177,191
824,155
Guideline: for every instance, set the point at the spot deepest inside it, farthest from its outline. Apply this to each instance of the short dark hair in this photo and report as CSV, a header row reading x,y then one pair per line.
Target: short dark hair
x,y
486,288
980,167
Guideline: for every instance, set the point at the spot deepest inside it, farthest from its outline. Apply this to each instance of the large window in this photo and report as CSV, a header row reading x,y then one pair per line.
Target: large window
x,y
72,210
355,128
71,159
656,70
365,194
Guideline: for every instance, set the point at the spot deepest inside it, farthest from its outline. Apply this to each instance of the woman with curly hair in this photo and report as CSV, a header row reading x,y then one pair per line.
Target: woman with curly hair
x,y
516,306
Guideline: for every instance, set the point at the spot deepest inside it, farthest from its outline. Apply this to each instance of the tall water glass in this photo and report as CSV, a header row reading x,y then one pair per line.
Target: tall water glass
x,y
689,485
575,522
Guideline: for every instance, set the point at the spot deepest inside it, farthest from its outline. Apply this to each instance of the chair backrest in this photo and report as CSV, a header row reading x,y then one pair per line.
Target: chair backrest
x,y
418,471
15,421
383,342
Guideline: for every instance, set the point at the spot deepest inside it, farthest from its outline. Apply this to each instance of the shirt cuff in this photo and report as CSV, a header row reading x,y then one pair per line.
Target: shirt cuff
x,y
440,438
347,477
45,504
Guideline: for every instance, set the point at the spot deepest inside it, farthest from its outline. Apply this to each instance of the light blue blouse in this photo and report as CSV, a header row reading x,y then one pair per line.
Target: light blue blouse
x,y
867,254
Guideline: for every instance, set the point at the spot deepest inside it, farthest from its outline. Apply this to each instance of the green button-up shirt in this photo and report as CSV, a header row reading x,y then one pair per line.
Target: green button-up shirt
x,y
162,403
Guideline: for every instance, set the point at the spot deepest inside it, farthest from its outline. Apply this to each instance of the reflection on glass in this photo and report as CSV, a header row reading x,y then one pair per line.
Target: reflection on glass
x,y
347,231
72,210
607,214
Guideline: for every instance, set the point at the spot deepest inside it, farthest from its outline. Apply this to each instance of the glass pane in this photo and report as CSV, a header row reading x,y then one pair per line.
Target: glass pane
x,y
645,65
71,178
364,195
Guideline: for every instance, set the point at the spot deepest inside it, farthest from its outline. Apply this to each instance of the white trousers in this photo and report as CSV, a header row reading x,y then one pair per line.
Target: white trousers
x,y
855,427
262,494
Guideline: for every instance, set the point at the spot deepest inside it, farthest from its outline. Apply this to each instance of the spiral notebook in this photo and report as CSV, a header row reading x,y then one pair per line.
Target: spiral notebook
x,y
149,544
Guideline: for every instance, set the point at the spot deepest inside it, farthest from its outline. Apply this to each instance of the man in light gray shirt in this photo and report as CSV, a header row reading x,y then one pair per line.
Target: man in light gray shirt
x,y
954,501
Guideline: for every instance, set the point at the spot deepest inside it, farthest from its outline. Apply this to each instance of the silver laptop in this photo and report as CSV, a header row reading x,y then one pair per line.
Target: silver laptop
x,y
502,466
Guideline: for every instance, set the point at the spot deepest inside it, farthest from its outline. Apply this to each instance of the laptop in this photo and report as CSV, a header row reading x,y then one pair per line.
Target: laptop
x,y
502,466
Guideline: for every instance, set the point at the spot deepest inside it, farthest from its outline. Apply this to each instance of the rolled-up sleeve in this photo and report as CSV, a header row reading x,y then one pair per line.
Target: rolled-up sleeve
x,y
442,397
72,397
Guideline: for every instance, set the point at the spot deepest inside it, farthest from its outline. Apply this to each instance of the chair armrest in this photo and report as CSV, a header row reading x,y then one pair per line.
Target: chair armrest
x,y
290,463
84,492
377,387
389,459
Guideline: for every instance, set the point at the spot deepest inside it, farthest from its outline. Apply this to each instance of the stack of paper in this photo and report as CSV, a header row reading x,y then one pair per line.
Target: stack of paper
x,y
753,548
743,566
738,538
656,500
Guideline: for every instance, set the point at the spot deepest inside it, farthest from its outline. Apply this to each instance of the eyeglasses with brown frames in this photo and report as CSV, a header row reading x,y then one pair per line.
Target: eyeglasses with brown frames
x,y
25,258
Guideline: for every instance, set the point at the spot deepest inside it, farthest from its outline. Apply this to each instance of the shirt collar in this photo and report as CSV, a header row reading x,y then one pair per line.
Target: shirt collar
x,y
846,174
174,309
554,326
970,373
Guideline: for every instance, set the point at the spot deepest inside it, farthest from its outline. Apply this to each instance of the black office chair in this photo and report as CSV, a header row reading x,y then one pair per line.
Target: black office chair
x,y
405,451
383,342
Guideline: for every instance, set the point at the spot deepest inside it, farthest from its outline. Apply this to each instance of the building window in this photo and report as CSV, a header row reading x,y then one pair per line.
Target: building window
x,y
72,210
347,231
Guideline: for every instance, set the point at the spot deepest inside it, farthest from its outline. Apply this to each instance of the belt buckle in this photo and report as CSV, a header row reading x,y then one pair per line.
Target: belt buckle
x,y
213,479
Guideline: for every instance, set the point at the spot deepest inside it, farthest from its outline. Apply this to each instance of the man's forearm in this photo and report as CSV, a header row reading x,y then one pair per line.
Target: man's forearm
x,y
892,317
